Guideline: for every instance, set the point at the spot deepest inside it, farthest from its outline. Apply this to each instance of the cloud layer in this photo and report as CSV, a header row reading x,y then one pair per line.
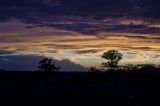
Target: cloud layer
x,y
81,30
32,10
30,63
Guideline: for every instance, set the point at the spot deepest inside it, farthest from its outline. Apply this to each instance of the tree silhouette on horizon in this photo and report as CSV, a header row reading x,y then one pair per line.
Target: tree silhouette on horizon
x,y
47,65
94,69
112,57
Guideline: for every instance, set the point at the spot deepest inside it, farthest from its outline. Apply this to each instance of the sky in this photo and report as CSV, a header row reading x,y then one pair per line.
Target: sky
x,y
75,33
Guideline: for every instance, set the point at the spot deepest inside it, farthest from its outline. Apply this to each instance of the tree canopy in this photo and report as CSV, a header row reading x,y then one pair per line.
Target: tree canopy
x,y
112,57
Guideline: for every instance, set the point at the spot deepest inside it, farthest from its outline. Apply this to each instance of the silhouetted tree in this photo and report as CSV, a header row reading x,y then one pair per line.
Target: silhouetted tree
x,y
93,69
112,57
47,65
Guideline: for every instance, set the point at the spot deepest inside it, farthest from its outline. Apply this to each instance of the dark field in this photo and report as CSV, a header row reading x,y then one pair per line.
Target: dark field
x,y
78,89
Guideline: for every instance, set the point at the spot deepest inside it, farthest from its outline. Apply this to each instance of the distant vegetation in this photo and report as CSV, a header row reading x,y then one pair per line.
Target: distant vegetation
x,y
112,58
47,65
94,69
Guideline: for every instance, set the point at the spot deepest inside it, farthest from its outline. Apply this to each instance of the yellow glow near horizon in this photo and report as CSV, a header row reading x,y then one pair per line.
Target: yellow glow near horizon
x,y
83,48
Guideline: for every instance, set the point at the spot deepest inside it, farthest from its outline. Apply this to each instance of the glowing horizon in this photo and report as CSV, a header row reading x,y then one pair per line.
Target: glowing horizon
x,y
84,48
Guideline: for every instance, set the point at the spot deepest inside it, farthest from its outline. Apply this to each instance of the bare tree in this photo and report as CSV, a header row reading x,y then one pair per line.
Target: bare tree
x,y
112,57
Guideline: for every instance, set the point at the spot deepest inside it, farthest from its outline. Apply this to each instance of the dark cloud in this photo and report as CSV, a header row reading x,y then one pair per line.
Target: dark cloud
x,y
67,65
4,52
63,46
32,10
46,13
30,62
19,63
88,51
94,27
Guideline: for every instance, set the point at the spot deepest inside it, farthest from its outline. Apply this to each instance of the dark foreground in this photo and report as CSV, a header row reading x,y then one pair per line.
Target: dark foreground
x,y
80,89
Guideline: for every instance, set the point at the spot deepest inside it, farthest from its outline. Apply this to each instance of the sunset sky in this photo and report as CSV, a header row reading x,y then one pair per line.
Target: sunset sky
x,y
78,30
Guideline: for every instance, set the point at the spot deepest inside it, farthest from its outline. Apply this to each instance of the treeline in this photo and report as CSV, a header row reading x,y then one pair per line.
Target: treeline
x,y
112,57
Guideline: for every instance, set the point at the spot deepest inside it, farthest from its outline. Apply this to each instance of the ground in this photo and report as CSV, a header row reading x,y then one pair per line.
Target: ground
x,y
87,88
